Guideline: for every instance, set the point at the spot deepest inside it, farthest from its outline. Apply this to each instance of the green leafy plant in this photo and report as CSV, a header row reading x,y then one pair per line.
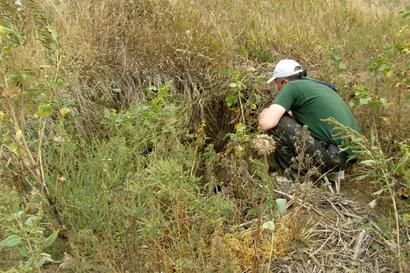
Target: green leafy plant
x,y
27,96
363,96
241,99
402,165
392,67
337,60
79,127
239,140
26,229
280,208
137,187
379,168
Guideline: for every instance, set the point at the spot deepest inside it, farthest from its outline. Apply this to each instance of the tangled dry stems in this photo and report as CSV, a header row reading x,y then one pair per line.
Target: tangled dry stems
x,y
321,231
343,238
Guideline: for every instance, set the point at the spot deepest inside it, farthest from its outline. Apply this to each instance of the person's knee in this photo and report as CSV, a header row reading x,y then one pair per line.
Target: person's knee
x,y
285,123
290,131
335,158
285,128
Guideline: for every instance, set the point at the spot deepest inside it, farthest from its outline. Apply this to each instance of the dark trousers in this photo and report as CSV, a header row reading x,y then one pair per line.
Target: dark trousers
x,y
292,139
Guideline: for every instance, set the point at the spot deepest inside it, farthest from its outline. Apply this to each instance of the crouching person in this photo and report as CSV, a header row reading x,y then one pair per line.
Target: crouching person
x,y
306,102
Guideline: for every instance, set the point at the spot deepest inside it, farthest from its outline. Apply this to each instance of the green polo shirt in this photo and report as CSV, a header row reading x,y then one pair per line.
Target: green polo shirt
x,y
311,103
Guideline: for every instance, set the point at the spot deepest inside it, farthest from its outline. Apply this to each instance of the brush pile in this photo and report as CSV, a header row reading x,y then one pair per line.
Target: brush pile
x,y
339,235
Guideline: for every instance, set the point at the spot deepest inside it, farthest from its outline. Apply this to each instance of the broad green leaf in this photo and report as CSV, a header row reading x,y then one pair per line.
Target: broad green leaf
x,y
252,212
365,100
269,225
150,90
14,207
45,110
50,240
30,221
374,104
240,127
226,71
60,82
4,51
280,206
11,241
231,100
384,67
19,214
258,98
26,77
23,252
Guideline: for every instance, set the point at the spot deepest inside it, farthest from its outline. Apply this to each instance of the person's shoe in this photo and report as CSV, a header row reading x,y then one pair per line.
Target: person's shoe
x,y
336,177
291,174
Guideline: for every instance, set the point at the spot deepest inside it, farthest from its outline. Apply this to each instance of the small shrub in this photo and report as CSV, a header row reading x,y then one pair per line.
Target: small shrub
x,y
26,231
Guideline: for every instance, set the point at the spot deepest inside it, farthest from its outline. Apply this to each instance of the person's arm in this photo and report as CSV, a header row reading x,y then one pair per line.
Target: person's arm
x,y
269,117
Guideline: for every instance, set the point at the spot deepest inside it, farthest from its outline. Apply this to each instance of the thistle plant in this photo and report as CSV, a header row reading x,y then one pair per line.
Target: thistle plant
x,y
264,145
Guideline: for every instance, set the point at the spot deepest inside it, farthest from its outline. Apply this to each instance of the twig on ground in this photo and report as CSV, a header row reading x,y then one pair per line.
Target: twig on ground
x,y
300,202
358,248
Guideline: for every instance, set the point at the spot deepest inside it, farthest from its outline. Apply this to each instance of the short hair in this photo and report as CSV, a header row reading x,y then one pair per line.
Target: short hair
x,y
297,76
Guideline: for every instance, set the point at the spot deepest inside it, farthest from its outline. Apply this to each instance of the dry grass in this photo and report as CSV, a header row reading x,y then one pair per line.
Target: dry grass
x,y
129,45
320,232
113,50
338,235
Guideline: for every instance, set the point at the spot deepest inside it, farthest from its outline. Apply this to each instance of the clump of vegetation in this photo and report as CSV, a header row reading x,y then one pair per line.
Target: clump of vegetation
x,y
381,170
27,232
127,133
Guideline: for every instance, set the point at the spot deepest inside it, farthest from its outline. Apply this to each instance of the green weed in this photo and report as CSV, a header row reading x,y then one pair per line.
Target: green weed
x,y
379,168
25,230
127,126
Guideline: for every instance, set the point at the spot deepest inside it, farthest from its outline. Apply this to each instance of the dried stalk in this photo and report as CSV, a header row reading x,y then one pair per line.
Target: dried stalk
x,y
258,225
359,243
34,167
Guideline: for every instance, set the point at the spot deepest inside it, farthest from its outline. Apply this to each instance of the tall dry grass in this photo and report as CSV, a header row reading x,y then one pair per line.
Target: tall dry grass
x,y
129,45
133,186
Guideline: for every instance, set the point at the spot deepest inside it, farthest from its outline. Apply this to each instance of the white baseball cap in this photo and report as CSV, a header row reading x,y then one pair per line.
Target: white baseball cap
x,y
285,68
